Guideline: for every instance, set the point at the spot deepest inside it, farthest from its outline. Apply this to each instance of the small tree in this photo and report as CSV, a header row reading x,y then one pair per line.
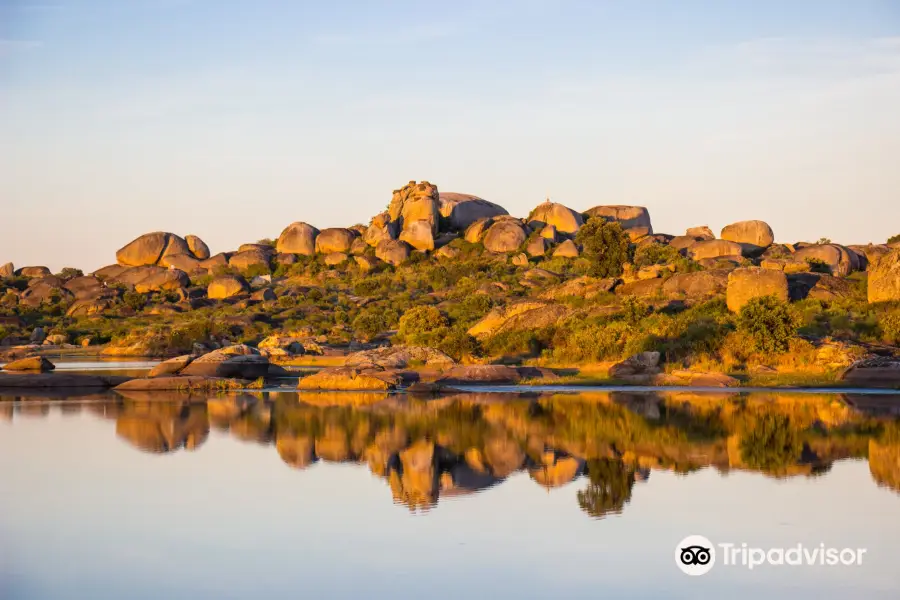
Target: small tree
x,y
606,245
422,324
769,323
894,239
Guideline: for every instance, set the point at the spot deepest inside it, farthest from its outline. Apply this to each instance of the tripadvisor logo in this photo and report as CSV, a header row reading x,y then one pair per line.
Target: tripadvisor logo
x,y
696,555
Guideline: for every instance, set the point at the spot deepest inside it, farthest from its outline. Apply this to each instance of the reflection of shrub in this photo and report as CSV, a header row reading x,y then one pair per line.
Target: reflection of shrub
x,y
770,443
769,323
605,245
609,487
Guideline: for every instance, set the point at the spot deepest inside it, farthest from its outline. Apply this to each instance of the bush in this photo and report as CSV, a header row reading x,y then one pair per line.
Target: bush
x,y
70,273
889,322
769,323
634,310
369,323
894,239
135,300
421,325
458,344
605,245
655,254
817,265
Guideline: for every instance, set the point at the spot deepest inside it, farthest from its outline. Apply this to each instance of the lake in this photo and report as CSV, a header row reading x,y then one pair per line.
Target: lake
x,y
500,495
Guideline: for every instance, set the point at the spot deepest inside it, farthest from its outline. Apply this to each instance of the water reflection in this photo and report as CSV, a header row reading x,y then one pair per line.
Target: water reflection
x,y
606,442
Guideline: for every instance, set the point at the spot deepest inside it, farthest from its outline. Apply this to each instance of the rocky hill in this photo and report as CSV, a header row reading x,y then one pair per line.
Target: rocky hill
x,y
562,285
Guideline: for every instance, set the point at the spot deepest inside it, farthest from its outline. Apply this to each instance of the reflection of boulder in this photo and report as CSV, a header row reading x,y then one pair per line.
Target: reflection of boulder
x,y
414,481
884,463
463,479
163,428
250,428
556,469
609,487
225,409
342,398
387,443
296,451
333,445
503,456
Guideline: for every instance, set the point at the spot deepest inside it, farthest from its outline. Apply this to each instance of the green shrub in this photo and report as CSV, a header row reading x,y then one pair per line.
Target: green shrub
x,y
889,321
817,265
656,254
135,300
369,323
634,310
769,323
894,239
70,273
422,324
605,245
458,344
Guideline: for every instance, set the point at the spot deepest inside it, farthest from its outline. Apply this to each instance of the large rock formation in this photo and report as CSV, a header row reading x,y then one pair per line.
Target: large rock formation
x,y
349,378
416,202
837,258
162,279
884,278
461,210
335,239
715,249
393,252
628,217
226,286
418,234
563,218
381,229
33,272
297,238
7,270
250,258
747,283
754,236
153,248
197,247
37,364
503,236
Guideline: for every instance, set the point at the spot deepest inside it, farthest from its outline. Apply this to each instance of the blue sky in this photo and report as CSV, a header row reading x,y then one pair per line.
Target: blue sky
x,y
230,120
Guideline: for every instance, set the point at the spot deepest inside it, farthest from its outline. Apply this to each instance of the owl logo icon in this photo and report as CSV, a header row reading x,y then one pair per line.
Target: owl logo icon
x,y
695,555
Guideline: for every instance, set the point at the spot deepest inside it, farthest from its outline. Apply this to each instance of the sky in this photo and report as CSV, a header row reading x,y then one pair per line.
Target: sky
x,y
231,119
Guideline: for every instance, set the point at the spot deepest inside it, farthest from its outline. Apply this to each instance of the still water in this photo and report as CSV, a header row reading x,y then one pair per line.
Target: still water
x,y
477,495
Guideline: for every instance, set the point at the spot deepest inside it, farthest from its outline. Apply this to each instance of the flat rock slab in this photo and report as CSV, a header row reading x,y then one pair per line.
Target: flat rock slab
x,y
60,380
185,383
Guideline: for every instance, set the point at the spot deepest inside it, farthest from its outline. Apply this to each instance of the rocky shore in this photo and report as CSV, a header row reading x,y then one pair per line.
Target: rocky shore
x,y
482,296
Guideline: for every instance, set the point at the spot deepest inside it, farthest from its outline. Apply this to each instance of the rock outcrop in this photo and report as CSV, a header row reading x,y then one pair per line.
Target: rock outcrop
x,y
297,238
335,239
503,236
627,216
715,249
226,286
350,379
563,218
753,236
837,259
197,247
416,202
38,364
747,283
393,252
567,249
153,248
418,234
884,278
461,210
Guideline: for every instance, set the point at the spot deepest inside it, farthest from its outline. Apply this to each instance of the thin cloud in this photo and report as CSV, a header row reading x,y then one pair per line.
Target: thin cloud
x,y
409,35
8,47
